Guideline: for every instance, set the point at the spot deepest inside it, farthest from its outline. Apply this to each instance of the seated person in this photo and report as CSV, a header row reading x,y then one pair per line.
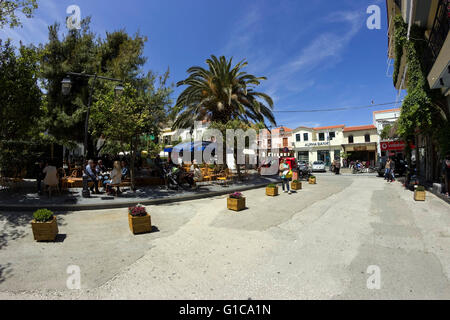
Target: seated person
x,y
101,171
125,170
116,177
92,175
51,175
197,173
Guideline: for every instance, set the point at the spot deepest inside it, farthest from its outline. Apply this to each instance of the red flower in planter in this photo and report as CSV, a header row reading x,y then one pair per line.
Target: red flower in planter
x,y
236,195
137,211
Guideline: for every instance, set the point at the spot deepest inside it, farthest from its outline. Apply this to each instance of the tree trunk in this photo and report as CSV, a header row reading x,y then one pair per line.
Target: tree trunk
x,y
132,165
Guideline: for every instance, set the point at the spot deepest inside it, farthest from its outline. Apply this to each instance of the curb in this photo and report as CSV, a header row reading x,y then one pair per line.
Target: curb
x,y
126,204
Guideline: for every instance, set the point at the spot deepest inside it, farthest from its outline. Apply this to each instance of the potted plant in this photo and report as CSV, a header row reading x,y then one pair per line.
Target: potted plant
x,y
312,180
44,225
272,190
296,185
420,193
139,220
236,202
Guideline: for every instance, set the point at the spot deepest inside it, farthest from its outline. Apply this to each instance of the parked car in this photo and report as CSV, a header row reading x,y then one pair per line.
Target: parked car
x,y
302,165
319,166
400,166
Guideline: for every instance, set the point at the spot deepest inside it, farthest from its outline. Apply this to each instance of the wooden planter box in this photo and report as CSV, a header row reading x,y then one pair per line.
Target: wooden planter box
x,y
45,231
419,195
236,204
296,186
142,224
272,192
312,180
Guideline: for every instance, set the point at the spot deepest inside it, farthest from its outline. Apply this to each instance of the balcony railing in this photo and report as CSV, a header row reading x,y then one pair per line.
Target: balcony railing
x,y
440,29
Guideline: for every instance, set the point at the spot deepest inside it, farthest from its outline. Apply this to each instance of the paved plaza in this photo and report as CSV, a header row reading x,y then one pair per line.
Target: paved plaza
x,y
318,243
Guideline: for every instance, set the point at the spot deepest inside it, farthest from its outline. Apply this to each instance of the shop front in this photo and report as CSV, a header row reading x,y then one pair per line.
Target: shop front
x,y
393,148
319,152
362,152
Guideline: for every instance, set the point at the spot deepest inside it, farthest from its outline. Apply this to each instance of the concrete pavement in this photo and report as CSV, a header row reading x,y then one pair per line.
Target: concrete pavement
x,y
315,244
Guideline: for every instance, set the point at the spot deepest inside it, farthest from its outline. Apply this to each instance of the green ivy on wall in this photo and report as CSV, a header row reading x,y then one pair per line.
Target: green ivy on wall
x,y
419,112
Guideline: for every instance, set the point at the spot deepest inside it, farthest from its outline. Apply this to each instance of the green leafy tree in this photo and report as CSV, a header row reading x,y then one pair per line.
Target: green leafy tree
x,y
118,55
139,110
9,10
20,106
221,93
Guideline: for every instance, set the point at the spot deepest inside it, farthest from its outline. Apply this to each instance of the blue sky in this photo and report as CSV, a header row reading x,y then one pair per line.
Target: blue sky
x,y
316,54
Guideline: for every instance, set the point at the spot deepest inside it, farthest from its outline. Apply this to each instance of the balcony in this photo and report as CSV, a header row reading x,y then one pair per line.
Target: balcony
x,y
437,60
440,29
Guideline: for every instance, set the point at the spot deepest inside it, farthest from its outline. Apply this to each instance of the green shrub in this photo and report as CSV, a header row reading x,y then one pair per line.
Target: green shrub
x,y
295,181
312,177
420,188
272,185
43,215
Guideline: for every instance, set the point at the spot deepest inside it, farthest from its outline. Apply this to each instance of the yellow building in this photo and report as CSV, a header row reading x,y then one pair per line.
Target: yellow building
x,y
361,143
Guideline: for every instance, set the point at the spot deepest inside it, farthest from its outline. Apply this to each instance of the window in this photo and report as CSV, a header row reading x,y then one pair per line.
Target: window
x,y
303,156
305,137
332,135
322,136
350,139
367,137
297,138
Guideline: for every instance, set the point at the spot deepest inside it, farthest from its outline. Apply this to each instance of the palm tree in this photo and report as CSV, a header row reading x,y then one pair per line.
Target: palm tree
x,y
222,93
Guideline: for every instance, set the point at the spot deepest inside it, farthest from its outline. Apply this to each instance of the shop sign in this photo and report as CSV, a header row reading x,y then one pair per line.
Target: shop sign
x,y
393,146
317,144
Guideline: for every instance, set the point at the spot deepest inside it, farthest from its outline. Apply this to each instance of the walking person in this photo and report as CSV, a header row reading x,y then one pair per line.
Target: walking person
x,y
337,167
40,175
387,171
447,174
284,174
392,174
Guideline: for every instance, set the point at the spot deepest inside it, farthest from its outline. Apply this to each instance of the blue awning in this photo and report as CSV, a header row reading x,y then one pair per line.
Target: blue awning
x,y
197,146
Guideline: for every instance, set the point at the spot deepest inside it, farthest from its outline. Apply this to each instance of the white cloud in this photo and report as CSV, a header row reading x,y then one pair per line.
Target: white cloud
x,y
323,52
34,30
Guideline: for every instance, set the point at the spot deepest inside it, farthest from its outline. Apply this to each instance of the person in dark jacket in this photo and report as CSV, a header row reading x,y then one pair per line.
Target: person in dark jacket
x,y
447,174
40,175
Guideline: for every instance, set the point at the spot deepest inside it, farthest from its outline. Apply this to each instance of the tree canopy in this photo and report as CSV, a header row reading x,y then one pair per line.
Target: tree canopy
x,y
221,93
9,10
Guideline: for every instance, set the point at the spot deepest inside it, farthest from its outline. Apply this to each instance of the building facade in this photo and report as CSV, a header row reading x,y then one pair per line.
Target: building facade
x,y
318,144
361,143
384,118
433,17
277,142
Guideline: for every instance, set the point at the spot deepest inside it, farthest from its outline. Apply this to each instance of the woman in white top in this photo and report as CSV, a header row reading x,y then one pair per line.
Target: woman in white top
x,y
116,176
51,175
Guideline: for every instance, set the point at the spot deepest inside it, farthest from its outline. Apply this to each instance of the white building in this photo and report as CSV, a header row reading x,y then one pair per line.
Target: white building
x,y
384,118
278,142
318,144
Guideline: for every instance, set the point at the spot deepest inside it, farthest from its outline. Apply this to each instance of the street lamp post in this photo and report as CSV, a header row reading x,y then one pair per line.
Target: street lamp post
x,y
66,86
